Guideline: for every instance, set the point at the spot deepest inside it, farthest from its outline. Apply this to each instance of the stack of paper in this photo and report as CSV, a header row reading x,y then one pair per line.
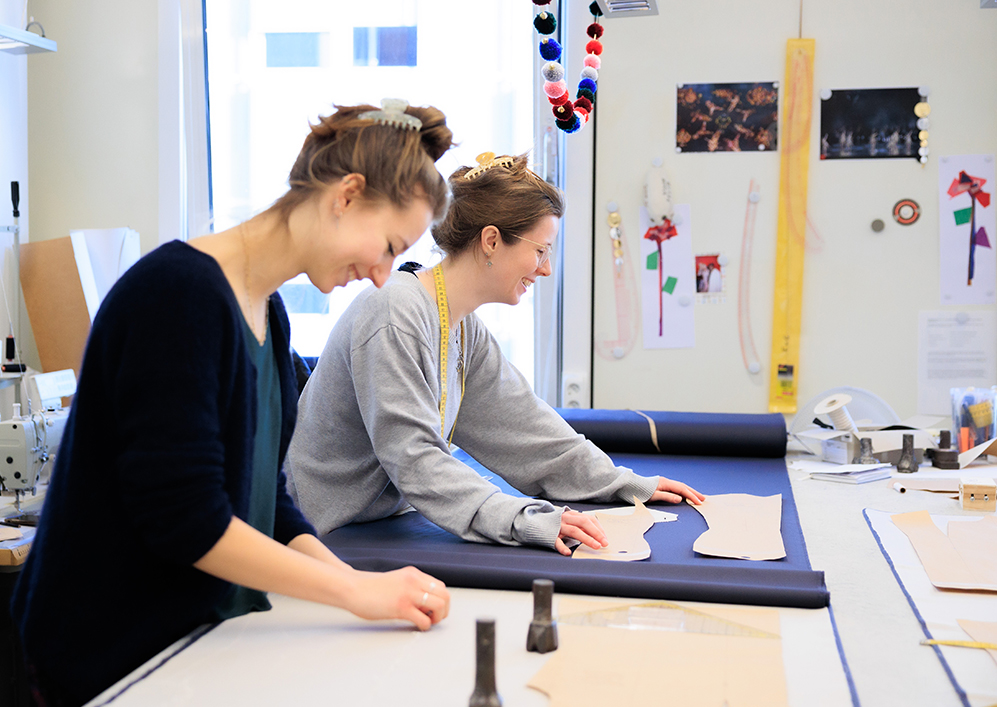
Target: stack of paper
x,y
843,473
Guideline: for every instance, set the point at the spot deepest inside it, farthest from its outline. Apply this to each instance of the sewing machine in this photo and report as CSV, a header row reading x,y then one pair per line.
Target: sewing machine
x,y
29,442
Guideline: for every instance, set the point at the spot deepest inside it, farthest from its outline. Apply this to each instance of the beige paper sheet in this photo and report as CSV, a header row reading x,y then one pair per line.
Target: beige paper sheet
x,y
950,485
982,631
625,535
966,558
742,526
738,668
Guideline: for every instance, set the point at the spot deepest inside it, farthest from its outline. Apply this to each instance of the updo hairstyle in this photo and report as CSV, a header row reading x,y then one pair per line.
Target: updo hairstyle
x,y
394,161
511,198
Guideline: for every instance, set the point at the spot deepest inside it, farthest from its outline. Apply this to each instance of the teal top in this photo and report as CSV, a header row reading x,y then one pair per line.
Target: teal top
x,y
266,452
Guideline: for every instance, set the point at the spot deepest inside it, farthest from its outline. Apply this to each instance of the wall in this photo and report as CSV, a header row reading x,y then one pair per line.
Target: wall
x,y
93,140
862,291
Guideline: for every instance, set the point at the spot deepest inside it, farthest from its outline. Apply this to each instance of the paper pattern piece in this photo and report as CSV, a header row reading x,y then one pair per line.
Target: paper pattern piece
x,y
656,515
967,220
982,631
668,308
625,535
742,526
9,533
730,655
966,558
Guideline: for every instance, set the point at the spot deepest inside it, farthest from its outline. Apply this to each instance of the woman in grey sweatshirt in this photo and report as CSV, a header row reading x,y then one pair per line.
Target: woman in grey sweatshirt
x,y
380,414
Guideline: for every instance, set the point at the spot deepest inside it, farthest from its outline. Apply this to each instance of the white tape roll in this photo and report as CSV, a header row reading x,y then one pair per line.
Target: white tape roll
x,y
834,407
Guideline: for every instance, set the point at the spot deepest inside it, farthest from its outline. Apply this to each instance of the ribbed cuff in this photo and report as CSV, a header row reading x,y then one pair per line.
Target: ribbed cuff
x,y
640,486
538,526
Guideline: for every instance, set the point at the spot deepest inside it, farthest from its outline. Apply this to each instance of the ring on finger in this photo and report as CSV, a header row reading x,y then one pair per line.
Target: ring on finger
x,y
425,598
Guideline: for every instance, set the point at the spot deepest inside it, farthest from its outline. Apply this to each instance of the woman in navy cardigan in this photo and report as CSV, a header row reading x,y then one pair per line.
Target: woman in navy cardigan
x,y
184,411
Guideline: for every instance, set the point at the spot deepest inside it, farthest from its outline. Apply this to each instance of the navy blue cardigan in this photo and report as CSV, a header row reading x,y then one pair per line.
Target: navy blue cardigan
x,y
155,461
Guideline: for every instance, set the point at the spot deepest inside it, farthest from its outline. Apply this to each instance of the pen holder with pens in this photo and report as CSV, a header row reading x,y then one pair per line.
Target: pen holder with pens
x,y
973,418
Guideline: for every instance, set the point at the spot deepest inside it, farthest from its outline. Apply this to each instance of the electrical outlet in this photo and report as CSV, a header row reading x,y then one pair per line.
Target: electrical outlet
x,y
574,390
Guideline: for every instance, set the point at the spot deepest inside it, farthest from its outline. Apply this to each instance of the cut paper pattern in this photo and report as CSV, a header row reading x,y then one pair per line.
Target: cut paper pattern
x,y
656,515
742,526
982,631
725,655
625,535
966,558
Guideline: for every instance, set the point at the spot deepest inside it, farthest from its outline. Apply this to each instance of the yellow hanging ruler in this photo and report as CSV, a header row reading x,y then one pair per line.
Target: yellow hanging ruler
x,y
797,110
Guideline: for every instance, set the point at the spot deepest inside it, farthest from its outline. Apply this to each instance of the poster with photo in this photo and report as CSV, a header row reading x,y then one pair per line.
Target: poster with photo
x,y
869,123
726,117
668,288
967,221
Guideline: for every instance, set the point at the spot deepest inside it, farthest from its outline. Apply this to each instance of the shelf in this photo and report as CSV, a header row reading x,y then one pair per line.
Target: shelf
x,y
19,41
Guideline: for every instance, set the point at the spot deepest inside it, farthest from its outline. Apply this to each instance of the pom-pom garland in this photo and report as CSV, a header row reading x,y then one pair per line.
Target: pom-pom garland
x,y
552,71
569,115
550,49
545,23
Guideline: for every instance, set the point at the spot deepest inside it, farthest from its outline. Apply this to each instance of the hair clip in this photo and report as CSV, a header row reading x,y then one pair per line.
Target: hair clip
x,y
487,160
393,113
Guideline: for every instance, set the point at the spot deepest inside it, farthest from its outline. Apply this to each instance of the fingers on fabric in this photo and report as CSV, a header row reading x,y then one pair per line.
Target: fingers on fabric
x,y
675,491
583,528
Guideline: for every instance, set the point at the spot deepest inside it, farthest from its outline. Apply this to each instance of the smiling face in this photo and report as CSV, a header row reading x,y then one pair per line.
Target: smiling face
x,y
360,239
515,267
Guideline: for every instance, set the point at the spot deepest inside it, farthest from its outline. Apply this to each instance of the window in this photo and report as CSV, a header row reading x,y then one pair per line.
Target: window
x,y
288,49
384,46
275,67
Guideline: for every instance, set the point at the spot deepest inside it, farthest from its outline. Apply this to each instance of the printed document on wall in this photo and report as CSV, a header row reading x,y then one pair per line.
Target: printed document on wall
x,y
955,350
967,220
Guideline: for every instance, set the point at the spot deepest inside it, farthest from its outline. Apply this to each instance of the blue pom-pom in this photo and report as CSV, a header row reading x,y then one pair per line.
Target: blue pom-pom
x,y
550,50
587,83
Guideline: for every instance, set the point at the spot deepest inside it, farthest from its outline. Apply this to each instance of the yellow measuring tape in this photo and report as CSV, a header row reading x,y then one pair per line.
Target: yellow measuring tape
x,y
443,305
791,232
961,644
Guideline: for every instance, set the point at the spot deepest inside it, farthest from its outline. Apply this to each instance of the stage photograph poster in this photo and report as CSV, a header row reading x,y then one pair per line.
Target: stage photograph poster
x,y
869,123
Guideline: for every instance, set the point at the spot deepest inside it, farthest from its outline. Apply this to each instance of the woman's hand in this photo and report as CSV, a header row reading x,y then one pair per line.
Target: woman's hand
x,y
401,594
674,491
578,526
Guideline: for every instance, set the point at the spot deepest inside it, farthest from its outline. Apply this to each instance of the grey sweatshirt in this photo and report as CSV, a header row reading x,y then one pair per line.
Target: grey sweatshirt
x,y
368,443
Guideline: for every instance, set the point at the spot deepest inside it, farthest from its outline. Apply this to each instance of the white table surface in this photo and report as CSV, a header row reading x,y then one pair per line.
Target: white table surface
x,y
304,654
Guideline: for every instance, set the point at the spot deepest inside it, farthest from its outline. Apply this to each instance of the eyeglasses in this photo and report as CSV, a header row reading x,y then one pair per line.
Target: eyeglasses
x,y
544,253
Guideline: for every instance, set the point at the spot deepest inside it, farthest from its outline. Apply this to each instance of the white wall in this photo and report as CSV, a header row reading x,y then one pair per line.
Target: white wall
x,y
93,138
862,291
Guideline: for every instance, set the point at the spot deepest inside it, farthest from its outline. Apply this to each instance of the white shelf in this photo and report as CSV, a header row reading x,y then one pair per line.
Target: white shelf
x,y
19,41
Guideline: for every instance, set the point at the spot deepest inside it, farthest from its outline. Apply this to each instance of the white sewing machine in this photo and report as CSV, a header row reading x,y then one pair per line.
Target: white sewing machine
x,y
29,442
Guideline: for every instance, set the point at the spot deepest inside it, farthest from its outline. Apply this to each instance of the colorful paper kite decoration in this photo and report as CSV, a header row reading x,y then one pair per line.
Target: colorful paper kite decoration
x,y
968,184
660,234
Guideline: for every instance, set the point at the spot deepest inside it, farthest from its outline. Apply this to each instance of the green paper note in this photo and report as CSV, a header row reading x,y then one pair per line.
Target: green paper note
x,y
670,284
962,216
652,261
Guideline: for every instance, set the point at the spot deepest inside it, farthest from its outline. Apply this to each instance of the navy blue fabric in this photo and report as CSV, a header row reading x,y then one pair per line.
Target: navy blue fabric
x,y
673,571
692,433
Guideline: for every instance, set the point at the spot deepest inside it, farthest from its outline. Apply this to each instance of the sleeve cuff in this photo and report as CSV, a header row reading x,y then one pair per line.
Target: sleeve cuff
x,y
640,486
538,525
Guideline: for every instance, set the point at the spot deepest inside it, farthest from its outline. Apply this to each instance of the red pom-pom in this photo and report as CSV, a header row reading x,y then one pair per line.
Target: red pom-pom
x,y
559,100
594,47
594,30
583,103
563,112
